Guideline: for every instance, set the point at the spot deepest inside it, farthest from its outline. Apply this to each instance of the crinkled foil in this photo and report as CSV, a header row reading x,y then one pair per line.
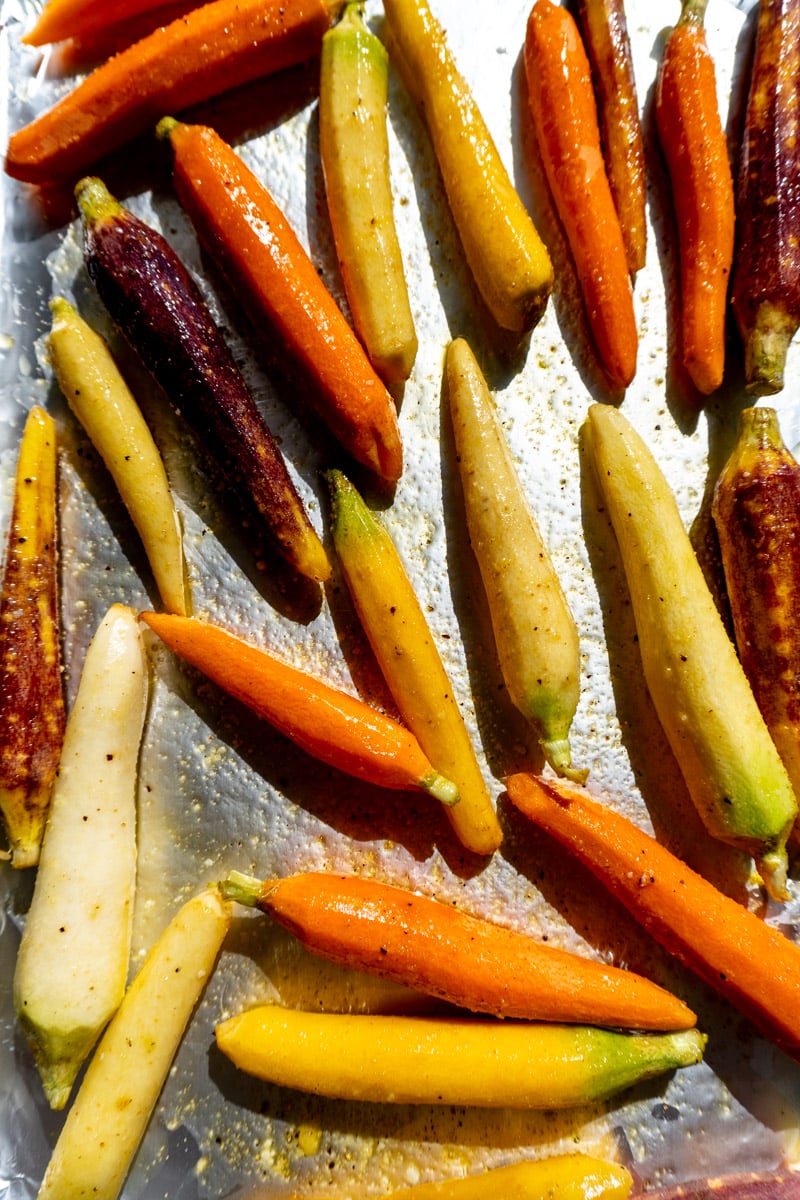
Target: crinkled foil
x,y
221,790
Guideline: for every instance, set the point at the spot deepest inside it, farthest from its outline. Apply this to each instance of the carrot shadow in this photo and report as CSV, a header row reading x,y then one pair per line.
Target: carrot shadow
x,y
361,811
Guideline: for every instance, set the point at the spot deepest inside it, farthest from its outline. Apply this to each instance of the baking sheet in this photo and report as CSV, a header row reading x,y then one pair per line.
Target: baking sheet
x,y
220,790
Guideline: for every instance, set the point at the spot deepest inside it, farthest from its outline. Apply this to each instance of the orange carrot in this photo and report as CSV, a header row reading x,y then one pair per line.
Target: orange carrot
x,y
750,963
62,19
213,48
245,231
410,939
565,118
696,153
327,723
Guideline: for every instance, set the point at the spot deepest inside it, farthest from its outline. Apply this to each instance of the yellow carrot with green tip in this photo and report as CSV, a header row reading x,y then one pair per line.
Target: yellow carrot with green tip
x,y
434,1060
406,652
354,148
73,958
101,400
535,632
31,695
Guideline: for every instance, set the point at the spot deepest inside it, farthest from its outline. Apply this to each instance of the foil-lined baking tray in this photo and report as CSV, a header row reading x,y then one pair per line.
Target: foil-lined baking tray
x,y
221,790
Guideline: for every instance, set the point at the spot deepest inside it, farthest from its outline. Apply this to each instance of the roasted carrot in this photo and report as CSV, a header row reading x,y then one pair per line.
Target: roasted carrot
x,y
32,714
443,1060
732,769
564,114
696,153
245,231
354,151
155,302
217,46
326,722
403,644
605,32
534,629
390,932
756,511
751,964
765,294
79,19
507,257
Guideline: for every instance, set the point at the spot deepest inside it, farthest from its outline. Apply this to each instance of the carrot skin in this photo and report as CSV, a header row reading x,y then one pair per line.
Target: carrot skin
x,y
605,31
419,942
327,723
246,233
696,152
751,964
154,300
765,294
217,46
565,118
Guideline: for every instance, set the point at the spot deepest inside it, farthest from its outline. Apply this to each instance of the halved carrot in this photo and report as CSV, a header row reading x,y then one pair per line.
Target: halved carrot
x,y
753,965
565,118
696,152
330,724
245,231
390,932
215,47
32,714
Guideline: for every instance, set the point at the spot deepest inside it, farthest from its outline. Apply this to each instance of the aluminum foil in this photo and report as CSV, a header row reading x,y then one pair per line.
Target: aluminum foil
x,y
221,790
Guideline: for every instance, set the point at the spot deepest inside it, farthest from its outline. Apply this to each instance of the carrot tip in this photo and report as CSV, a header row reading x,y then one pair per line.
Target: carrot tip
x,y
165,127
773,869
442,789
558,754
95,200
244,889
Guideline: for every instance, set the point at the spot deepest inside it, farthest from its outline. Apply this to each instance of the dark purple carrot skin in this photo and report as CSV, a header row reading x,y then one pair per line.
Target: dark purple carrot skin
x,y
766,279
756,509
605,32
154,301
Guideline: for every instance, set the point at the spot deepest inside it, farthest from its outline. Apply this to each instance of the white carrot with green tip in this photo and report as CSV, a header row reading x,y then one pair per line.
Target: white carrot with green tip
x,y
122,1084
535,632
73,960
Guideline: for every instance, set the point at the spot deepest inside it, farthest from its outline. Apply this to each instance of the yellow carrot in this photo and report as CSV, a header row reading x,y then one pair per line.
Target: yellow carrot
x,y
403,644
435,1060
